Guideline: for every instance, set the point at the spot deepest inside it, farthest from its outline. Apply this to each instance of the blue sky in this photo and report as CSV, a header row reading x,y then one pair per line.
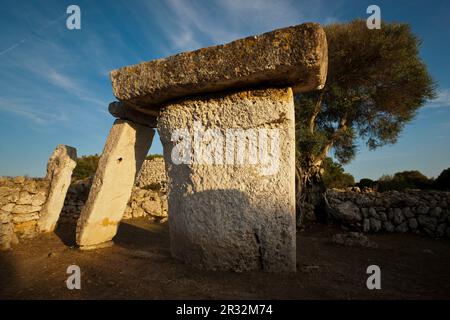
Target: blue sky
x,y
55,86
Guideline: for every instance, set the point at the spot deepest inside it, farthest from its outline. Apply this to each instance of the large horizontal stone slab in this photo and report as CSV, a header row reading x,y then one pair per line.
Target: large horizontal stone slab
x,y
295,56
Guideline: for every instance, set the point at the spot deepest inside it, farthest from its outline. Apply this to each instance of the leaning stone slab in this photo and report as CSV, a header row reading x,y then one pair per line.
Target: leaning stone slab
x,y
125,150
232,202
59,172
294,56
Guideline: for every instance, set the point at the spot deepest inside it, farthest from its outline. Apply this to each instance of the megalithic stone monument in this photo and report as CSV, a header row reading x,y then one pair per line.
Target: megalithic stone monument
x,y
59,172
225,115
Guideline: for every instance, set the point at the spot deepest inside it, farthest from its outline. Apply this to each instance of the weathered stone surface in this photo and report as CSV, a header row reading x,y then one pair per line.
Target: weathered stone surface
x,y
5,216
8,207
24,217
348,211
233,216
417,211
38,199
59,172
388,226
352,239
26,230
125,150
122,111
375,225
428,222
101,245
7,236
403,227
25,208
24,198
153,172
295,56
413,223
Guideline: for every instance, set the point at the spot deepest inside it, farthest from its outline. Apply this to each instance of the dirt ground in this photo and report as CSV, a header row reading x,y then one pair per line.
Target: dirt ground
x,y
139,266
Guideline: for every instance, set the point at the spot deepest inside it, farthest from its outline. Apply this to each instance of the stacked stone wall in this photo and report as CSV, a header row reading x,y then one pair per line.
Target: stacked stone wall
x,y
417,211
148,197
21,202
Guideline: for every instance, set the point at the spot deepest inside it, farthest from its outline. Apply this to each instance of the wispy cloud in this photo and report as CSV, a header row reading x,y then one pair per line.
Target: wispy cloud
x,y
32,110
193,24
442,99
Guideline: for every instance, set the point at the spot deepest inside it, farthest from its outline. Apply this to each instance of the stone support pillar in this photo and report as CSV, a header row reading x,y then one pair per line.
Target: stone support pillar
x,y
230,160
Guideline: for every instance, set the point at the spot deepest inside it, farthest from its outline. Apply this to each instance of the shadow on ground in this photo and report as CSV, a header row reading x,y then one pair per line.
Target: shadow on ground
x,y
139,266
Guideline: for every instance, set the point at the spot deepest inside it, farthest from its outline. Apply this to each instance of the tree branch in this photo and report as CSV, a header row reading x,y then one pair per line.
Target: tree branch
x,y
317,161
312,120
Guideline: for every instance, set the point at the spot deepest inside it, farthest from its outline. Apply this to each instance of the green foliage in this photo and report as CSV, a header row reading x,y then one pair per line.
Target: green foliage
x,y
443,180
153,156
86,167
376,83
404,180
366,183
334,175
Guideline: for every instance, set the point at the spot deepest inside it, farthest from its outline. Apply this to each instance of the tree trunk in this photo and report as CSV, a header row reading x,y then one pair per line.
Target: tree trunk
x,y
311,202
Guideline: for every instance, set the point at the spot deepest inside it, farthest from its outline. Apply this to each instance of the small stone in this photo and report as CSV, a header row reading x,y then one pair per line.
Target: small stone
x,y
366,225
24,217
19,180
38,199
428,222
163,220
398,216
422,209
403,227
365,212
375,225
388,226
413,223
407,212
21,209
353,239
30,186
8,207
5,217
440,231
24,198
436,212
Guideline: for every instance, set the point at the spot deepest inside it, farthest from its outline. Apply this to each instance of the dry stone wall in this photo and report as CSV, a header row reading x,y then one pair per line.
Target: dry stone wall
x,y
29,206
21,202
424,212
148,197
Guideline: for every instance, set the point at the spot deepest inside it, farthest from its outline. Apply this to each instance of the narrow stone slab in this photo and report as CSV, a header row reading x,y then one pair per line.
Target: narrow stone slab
x,y
232,203
59,172
125,150
296,56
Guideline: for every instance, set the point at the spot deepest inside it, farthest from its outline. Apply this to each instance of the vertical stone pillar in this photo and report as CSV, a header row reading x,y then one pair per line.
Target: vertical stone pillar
x,y
230,160
59,172
124,152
